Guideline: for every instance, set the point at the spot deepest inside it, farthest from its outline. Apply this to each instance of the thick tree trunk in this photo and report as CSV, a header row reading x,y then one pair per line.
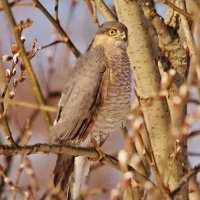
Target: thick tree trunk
x,y
156,112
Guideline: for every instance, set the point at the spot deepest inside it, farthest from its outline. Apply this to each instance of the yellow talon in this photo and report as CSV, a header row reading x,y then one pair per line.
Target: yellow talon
x,y
98,148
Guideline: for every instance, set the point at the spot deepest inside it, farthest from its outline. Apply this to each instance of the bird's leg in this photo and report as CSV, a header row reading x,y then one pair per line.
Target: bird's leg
x,y
98,148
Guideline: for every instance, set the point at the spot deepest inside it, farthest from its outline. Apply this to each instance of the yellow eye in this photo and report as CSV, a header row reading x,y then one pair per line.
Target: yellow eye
x,y
112,32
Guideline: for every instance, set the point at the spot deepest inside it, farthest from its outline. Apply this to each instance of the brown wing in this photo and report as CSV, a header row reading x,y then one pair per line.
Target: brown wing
x,y
82,98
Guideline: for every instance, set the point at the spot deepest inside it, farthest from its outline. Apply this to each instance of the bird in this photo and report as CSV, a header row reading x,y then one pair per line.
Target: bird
x,y
95,101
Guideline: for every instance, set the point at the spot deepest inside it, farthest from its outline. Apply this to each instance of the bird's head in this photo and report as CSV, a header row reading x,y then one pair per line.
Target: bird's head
x,y
112,33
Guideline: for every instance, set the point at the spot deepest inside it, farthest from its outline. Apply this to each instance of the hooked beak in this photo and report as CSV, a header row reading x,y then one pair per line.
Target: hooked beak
x,y
123,36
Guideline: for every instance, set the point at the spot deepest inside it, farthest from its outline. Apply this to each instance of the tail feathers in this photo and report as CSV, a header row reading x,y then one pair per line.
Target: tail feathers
x,y
81,170
69,195
63,170
71,173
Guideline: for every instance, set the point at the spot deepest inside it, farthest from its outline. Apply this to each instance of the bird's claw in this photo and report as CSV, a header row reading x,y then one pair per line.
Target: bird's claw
x,y
99,150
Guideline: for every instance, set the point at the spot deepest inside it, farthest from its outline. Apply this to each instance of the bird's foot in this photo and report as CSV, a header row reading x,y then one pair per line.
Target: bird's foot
x,y
98,148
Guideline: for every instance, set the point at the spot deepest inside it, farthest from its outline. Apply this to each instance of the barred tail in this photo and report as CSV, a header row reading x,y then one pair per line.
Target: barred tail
x,y
81,170
63,170
71,173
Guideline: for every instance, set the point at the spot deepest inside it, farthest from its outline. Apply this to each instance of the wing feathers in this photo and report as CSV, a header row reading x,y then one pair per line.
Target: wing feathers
x,y
83,95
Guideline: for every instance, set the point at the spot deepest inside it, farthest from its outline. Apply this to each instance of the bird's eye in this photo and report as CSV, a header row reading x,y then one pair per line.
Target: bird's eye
x,y
112,32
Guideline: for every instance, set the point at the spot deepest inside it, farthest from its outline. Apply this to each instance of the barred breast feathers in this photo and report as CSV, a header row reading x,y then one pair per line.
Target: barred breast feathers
x,y
116,106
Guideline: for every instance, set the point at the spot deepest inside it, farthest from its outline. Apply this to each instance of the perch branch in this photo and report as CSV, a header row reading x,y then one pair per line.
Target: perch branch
x,y
73,151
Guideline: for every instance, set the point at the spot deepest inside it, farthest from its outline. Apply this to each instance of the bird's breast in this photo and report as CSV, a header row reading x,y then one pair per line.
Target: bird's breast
x,y
115,108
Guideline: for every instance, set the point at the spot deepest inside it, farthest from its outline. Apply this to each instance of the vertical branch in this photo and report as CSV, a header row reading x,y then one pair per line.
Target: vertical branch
x,y
5,125
26,61
195,67
3,116
2,75
190,40
104,10
147,77
92,9
174,57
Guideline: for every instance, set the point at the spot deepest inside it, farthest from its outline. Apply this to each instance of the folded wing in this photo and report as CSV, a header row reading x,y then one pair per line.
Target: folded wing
x,y
82,98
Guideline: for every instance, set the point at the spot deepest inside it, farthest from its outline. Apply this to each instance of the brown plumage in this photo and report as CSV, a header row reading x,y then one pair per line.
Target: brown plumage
x,y
95,101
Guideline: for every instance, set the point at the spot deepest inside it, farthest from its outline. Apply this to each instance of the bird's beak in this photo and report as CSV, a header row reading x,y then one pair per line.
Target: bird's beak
x,y
123,36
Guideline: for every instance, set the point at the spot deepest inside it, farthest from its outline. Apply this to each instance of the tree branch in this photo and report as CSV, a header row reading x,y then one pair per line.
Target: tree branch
x,y
11,4
58,27
193,133
56,10
190,41
26,61
7,131
147,77
184,180
3,116
104,10
179,10
29,105
73,151
92,8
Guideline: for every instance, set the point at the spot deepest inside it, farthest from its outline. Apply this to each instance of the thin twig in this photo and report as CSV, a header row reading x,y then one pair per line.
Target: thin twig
x,y
179,10
7,82
194,133
21,138
51,44
11,4
18,176
29,105
11,184
56,11
7,131
35,50
3,116
26,61
194,101
21,164
196,154
124,132
58,27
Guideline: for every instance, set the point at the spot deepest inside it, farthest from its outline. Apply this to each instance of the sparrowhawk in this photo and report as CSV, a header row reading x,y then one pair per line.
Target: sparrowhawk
x,y
95,101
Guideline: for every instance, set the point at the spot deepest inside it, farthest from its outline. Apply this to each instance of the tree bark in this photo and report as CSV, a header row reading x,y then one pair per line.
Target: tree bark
x,y
147,79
